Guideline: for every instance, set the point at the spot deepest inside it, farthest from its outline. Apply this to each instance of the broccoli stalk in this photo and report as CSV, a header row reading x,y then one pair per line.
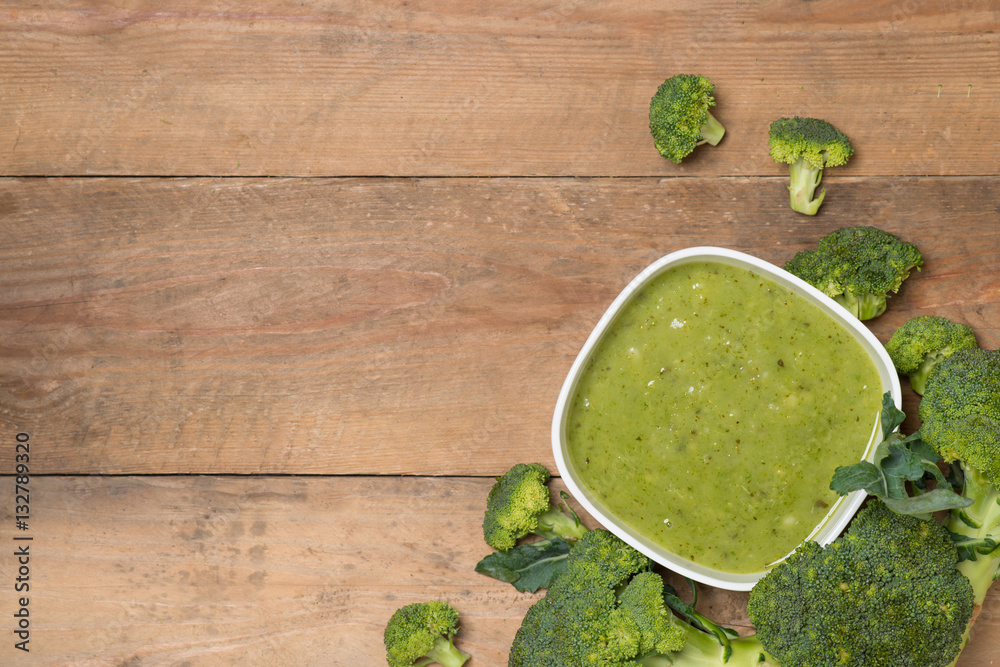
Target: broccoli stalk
x,y
420,634
807,145
976,532
679,116
702,650
712,130
922,342
858,267
804,178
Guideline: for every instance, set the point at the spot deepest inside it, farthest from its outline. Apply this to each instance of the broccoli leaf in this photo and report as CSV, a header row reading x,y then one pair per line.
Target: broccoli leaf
x,y
863,476
898,460
895,464
898,466
528,567
971,548
891,417
925,504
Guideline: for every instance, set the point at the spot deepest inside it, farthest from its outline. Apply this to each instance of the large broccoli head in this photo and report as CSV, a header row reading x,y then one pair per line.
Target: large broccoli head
x,y
679,117
420,634
960,410
520,504
857,267
885,594
922,342
807,145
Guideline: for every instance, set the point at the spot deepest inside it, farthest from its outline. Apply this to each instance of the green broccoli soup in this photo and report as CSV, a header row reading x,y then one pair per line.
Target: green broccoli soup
x,y
712,414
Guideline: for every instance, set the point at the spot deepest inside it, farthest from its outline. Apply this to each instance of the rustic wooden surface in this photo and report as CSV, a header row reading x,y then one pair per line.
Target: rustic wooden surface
x,y
283,285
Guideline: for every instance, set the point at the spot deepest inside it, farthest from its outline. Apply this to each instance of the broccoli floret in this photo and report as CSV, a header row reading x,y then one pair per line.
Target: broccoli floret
x,y
679,118
607,610
971,439
519,504
642,602
960,419
917,346
966,383
857,267
420,634
807,145
886,593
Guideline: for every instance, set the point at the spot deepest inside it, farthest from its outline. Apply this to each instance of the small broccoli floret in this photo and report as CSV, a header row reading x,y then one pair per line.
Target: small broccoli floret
x,y
519,504
971,439
917,346
966,383
858,267
642,602
607,610
960,415
807,145
420,634
679,119
886,593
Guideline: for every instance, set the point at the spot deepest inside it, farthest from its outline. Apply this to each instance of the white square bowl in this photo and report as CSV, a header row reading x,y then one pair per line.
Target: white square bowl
x,y
840,514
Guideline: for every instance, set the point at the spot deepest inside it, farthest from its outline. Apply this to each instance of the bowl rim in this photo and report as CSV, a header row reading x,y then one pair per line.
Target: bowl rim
x,y
839,516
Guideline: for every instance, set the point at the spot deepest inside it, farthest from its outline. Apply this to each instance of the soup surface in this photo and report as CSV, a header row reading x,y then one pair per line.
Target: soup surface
x,y
712,415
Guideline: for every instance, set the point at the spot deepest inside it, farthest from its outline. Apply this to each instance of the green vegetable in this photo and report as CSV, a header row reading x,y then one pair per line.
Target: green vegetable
x,y
886,593
807,145
520,504
679,117
857,267
420,634
608,610
899,460
527,567
922,342
960,415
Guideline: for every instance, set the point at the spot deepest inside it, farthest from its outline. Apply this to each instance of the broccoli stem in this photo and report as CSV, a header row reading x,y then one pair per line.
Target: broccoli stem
x,y
711,131
804,180
978,521
703,650
918,378
446,654
554,523
862,306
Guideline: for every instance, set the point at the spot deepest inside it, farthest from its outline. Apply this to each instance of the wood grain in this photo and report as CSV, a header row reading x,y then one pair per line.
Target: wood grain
x,y
398,88
252,571
354,352
382,327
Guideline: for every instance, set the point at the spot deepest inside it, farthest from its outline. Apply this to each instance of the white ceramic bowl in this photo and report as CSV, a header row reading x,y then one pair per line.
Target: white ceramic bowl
x,y
839,516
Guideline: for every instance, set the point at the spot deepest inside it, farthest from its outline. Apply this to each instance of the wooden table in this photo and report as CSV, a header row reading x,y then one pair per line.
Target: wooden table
x,y
283,285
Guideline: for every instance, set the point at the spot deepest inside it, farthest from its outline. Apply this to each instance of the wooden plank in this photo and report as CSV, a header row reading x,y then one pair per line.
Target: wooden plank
x,y
213,571
210,571
455,89
380,326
